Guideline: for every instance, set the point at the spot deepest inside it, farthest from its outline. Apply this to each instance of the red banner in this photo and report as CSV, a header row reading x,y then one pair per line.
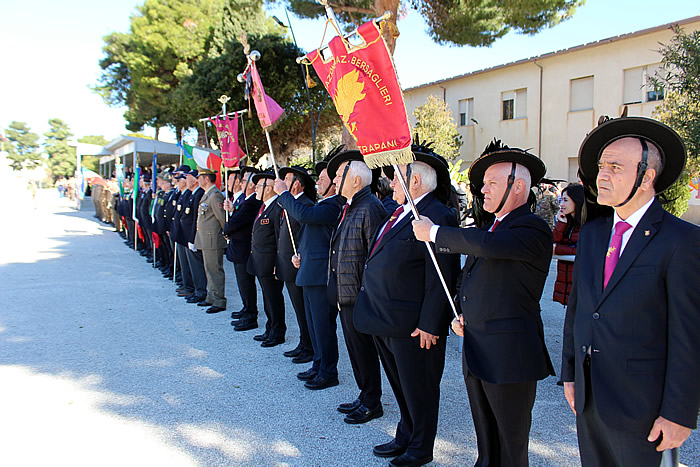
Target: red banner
x,y
227,130
268,110
364,87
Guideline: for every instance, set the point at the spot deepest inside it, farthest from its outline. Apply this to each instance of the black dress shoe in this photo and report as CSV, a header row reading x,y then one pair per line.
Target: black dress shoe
x,y
184,293
364,414
204,303
408,460
349,407
275,341
215,309
321,383
294,352
195,299
236,314
246,326
304,357
261,337
390,449
307,375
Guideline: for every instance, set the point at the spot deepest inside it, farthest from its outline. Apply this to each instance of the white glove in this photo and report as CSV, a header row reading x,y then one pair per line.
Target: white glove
x,y
191,246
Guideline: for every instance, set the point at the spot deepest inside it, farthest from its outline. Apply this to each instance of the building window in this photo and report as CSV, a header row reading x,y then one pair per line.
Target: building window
x,y
639,88
581,94
466,112
514,104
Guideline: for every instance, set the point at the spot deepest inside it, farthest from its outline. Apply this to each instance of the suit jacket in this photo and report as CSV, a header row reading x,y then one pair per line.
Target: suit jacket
x,y
263,251
210,221
188,220
284,267
239,229
643,328
178,231
401,290
317,224
502,284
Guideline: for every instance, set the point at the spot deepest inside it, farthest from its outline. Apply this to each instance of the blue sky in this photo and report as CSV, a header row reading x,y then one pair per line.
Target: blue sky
x,y
51,49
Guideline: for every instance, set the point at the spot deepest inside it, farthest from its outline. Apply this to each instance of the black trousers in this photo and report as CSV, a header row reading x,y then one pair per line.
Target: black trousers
x,y
199,277
296,296
182,258
322,318
414,375
248,292
502,415
276,328
363,358
601,445
130,226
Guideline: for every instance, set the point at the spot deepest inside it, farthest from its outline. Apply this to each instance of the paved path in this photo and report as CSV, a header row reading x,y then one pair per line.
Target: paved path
x,y
101,364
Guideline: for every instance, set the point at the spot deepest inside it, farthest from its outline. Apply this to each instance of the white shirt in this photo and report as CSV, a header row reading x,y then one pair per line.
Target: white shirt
x,y
269,202
237,194
632,220
406,211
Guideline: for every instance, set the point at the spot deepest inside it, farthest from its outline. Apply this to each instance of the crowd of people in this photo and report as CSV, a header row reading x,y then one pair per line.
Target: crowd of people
x,y
348,243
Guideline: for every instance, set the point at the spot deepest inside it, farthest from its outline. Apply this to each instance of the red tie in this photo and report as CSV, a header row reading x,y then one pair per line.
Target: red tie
x,y
613,253
345,210
389,224
495,224
262,208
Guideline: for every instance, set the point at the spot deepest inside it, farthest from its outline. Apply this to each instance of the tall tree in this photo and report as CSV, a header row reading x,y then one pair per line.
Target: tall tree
x,y
434,123
93,139
21,146
680,109
141,69
214,76
61,160
467,22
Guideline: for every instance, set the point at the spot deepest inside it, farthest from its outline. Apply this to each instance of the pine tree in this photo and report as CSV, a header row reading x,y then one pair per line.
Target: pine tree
x,y
22,146
61,156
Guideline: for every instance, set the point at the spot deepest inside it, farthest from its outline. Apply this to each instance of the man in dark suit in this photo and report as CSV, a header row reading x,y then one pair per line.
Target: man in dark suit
x,y
317,223
178,234
504,351
188,222
263,255
630,362
360,217
302,188
409,313
242,213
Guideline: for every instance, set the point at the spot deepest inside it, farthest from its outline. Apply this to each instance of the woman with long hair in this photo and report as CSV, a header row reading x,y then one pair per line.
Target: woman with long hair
x,y
566,233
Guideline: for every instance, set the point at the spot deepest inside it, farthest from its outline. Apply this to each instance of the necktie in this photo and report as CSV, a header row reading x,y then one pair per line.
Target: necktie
x,y
389,224
262,208
495,224
345,210
613,253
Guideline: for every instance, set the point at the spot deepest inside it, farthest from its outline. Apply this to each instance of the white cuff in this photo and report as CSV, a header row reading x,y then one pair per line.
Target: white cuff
x,y
433,232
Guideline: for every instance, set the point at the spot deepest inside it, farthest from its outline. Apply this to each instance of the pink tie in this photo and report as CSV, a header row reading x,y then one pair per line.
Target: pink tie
x,y
262,209
613,253
389,224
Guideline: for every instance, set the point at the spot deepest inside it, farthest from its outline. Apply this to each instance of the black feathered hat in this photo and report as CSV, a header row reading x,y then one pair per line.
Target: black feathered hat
x,y
669,143
300,172
497,152
318,168
424,153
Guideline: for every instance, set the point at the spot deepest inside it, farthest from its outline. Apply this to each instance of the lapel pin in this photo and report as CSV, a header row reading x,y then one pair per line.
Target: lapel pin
x,y
646,233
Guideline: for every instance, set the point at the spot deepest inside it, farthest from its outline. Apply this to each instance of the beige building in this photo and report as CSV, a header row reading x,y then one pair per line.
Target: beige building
x,y
549,102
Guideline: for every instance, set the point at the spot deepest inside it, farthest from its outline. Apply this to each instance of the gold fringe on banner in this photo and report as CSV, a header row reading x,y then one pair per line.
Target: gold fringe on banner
x,y
385,158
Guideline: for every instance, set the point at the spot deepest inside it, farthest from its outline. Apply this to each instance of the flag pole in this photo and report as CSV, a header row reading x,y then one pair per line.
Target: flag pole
x,y
252,57
224,99
175,249
277,175
416,216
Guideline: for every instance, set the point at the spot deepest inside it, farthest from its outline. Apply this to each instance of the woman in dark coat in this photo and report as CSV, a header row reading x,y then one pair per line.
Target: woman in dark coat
x,y
566,233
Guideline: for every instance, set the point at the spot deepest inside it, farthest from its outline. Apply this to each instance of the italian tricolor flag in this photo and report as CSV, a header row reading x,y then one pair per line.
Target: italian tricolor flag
x,y
197,158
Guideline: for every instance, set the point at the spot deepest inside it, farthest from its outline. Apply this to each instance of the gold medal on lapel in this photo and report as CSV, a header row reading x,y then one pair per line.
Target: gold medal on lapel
x,y
264,221
187,210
